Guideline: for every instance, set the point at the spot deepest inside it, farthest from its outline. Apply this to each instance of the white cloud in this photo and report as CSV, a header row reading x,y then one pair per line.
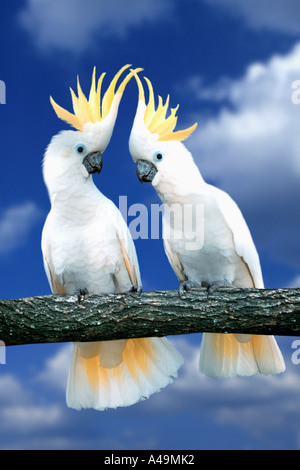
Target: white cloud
x,y
258,404
15,224
251,148
19,412
56,368
11,391
30,418
76,25
73,25
274,15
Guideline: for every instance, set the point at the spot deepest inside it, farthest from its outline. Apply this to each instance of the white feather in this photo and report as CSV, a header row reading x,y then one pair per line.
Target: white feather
x,y
215,245
87,245
148,365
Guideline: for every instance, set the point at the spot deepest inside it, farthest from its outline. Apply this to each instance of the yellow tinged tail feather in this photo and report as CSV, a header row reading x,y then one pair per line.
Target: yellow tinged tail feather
x,y
223,355
146,366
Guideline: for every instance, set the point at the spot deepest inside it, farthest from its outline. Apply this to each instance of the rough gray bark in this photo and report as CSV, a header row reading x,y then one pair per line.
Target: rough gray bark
x,y
58,318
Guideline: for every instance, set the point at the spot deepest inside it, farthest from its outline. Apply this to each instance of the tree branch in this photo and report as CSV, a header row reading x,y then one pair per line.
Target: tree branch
x,y
57,318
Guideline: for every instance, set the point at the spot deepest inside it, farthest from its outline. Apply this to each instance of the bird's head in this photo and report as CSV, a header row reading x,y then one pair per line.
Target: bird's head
x,y
157,150
77,154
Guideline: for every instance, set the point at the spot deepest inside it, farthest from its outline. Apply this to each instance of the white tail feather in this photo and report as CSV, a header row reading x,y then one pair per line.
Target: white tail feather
x,y
223,355
147,365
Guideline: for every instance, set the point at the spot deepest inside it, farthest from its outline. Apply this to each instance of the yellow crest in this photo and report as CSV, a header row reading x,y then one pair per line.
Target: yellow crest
x,y
92,109
156,121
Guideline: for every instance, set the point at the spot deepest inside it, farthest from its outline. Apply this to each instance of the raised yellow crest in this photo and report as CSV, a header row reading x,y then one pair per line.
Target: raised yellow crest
x,y
92,109
155,119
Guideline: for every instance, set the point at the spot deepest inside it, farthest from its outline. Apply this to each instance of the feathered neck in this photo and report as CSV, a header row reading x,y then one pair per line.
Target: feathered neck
x,y
184,183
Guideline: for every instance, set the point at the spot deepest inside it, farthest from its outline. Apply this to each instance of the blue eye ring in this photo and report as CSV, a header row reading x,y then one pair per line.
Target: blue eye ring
x,y
158,156
80,148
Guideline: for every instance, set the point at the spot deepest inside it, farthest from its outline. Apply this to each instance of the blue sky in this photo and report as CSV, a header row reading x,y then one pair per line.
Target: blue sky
x,y
230,65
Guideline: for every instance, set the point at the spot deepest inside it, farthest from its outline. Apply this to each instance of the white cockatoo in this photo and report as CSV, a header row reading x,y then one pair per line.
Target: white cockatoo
x,y
87,248
205,236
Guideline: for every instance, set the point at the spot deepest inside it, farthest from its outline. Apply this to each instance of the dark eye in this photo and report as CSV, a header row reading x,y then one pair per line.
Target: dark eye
x,y
158,156
80,148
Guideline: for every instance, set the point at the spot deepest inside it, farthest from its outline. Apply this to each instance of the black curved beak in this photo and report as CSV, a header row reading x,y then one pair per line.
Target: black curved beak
x,y
93,162
145,171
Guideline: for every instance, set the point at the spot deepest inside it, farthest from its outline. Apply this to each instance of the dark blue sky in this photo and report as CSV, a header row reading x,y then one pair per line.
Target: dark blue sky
x,y
230,65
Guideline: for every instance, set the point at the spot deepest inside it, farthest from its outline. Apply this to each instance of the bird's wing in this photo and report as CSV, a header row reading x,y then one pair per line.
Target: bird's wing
x,y
56,286
242,238
128,250
174,261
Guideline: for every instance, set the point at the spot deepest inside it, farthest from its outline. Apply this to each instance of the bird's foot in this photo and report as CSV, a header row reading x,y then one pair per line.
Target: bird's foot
x,y
213,286
137,289
81,293
186,286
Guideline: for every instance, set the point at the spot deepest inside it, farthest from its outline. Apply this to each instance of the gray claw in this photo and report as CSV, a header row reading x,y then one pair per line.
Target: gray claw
x,y
137,289
81,293
186,286
213,286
